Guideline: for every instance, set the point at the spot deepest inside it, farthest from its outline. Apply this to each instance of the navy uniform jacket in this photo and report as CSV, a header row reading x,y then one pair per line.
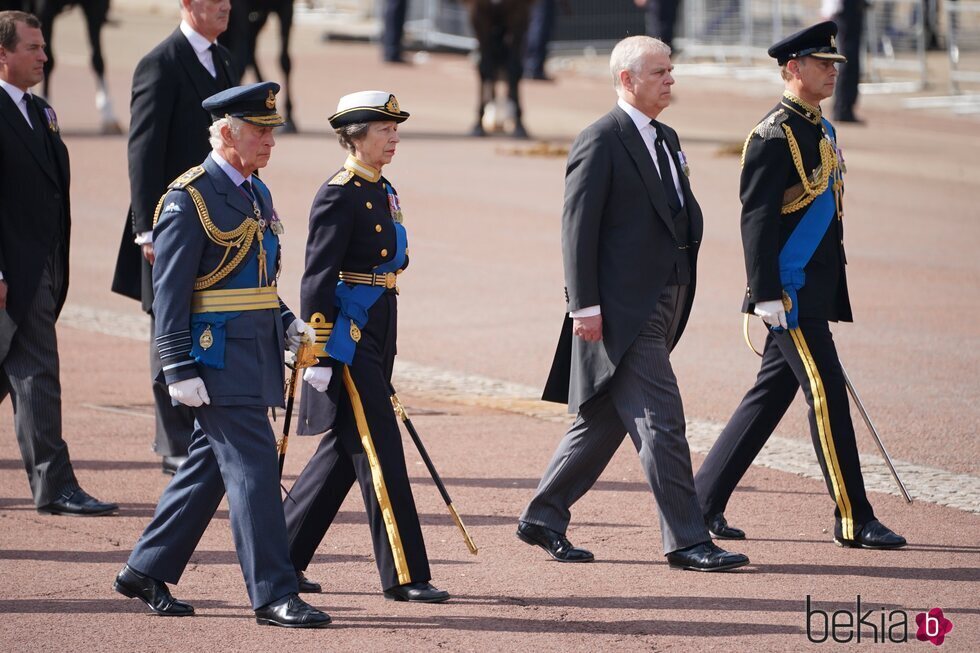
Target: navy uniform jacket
x,y
351,229
253,371
770,180
619,249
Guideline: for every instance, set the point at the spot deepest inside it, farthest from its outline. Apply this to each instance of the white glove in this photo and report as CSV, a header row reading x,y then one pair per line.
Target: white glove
x,y
318,377
772,313
295,333
190,392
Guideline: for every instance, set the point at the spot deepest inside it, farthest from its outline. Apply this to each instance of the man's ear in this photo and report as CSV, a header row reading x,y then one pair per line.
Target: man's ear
x,y
625,80
793,66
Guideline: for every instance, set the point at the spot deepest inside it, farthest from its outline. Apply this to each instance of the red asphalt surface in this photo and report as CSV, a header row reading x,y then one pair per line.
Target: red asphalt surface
x,y
483,296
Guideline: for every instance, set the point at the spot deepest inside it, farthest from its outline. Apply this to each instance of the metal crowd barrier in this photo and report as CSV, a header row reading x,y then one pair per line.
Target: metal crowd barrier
x,y
894,47
963,33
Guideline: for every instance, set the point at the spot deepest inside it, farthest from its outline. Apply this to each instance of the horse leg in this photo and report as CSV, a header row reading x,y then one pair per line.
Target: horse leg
x,y
285,28
47,10
95,17
254,27
517,22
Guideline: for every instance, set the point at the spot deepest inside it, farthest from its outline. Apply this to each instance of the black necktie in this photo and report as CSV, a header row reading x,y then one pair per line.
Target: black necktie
x,y
663,164
219,70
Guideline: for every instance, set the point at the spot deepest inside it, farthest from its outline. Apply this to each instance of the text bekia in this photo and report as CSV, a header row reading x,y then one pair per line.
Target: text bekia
x,y
843,626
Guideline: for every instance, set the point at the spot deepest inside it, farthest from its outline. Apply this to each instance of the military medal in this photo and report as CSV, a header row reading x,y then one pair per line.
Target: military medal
x,y
394,207
275,224
206,339
52,119
355,332
683,159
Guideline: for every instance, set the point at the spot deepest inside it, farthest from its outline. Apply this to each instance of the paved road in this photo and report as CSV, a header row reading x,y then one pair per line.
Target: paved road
x,y
481,306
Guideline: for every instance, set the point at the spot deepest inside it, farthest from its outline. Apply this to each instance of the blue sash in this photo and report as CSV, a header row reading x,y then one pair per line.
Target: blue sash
x,y
803,242
353,303
246,277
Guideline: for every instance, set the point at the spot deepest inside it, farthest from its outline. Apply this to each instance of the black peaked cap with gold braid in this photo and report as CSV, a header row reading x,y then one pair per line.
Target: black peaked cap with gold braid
x,y
253,103
367,106
818,41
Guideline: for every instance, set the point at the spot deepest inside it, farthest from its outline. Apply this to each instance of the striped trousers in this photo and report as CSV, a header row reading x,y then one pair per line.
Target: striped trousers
x,y
643,400
796,358
31,375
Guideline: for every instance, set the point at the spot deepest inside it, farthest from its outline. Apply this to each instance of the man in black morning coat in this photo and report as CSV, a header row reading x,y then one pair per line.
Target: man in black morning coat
x,y
630,234
168,134
35,225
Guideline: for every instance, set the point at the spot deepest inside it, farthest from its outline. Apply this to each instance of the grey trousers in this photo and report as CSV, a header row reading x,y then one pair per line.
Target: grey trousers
x,y
31,376
643,400
174,424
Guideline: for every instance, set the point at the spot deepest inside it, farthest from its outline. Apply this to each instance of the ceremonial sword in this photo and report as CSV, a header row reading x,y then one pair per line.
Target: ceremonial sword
x,y
860,406
400,411
304,358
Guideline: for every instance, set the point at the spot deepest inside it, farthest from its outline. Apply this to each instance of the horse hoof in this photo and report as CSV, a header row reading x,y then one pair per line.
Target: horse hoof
x,y
478,131
110,128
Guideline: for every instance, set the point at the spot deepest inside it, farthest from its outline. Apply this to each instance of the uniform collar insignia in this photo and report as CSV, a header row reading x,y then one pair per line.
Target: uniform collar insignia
x,y
361,169
807,110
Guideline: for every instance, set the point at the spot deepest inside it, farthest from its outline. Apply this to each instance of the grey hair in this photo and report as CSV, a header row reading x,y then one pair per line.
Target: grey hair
x,y
235,124
628,55
349,133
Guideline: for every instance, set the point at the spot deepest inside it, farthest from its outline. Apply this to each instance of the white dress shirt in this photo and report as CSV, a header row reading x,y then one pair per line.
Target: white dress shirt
x,y
18,96
201,47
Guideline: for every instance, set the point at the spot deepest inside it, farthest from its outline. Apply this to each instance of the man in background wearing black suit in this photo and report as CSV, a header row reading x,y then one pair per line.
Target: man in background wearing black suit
x,y
35,224
168,134
630,234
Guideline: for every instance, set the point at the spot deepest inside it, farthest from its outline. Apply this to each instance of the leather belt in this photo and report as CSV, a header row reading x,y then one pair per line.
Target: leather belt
x,y
388,280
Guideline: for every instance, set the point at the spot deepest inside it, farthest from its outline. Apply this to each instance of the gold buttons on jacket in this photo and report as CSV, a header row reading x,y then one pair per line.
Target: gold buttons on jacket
x,y
369,205
357,183
384,253
377,228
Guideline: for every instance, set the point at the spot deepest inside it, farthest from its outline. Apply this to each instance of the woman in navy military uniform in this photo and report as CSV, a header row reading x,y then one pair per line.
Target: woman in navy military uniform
x,y
355,251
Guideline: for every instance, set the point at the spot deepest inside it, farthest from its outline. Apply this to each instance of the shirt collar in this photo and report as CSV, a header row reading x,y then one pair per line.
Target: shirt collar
x,y
640,119
198,42
235,176
15,93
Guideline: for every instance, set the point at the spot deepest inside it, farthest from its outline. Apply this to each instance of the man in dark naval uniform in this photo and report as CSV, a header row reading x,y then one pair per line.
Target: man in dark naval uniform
x,y
355,250
221,329
792,234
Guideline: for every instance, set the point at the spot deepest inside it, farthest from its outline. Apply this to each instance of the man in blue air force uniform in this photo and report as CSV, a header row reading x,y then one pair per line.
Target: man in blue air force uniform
x,y
221,329
792,233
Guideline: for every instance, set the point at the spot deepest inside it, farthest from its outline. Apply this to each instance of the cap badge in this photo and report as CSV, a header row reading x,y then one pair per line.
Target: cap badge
x,y
392,105
833,42
270,102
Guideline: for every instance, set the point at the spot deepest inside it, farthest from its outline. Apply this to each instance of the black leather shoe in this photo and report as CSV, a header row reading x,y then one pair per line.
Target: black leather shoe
x,y
556,544
291,612
78,503
719,528
706,557
417,592
873,535
152,592
172,463
307,586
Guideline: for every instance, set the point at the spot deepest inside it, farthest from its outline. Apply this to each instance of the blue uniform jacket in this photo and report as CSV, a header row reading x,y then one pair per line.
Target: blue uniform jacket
x,y
253,360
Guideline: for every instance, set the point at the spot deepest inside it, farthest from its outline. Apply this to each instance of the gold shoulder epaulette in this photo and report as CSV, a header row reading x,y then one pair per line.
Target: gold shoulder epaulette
x,y
341,178
187,177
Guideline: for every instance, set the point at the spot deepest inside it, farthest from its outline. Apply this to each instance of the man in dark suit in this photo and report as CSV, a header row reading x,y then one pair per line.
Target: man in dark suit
x,y
35,226
630,234
168,134
221,329
793,235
